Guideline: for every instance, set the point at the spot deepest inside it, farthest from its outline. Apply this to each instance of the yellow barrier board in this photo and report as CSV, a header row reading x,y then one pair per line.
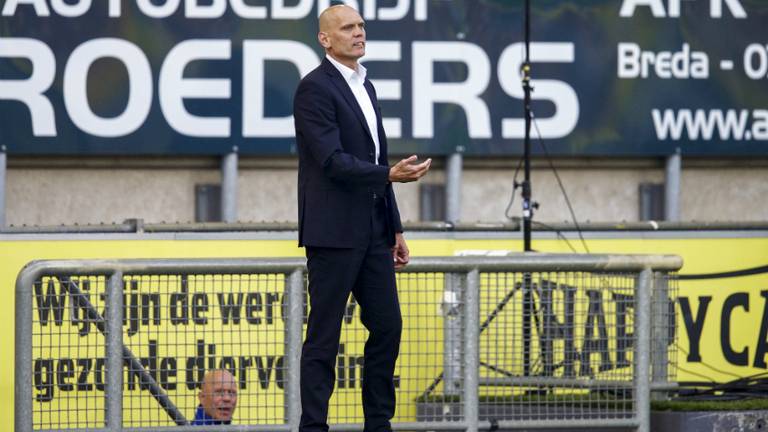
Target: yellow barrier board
x,y
721,323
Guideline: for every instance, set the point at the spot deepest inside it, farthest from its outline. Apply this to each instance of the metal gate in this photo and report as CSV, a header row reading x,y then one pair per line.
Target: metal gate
x,y
517,342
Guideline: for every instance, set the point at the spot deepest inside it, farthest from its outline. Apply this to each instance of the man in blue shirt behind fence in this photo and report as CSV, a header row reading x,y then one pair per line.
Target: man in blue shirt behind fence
x,y
218,399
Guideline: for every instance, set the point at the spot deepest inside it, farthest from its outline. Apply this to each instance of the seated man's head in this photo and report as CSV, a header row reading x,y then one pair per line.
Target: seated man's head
x,y
218,395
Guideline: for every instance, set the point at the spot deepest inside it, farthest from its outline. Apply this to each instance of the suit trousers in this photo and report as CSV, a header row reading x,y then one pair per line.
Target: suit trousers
x,y
368,273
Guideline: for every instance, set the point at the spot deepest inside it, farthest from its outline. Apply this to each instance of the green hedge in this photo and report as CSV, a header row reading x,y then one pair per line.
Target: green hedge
x,y
719,405
609,401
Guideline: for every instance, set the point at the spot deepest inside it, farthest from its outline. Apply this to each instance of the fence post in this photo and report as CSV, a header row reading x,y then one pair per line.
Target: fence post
x,y
3,173
453,186
452,344
642,350
294,325
113,392
229,186
472,350
660,337
23,355
672,187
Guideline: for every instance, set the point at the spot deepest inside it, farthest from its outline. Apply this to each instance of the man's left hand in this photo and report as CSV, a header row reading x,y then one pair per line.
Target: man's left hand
x,y
400,252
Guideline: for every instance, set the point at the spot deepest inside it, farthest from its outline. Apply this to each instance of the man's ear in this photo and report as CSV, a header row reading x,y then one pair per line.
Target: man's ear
x,y
322,37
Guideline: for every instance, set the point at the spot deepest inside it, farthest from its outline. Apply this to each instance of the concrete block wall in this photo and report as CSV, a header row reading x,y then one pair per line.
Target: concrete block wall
x,y
54,195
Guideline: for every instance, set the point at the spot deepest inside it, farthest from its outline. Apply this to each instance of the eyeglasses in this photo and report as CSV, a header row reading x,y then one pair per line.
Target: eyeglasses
x,y
223,393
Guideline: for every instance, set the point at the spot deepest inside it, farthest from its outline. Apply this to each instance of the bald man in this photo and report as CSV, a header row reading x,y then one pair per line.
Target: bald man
x,y
218,399
348,222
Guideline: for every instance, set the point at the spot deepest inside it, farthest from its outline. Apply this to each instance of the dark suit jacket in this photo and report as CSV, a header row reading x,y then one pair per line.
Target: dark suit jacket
x,y
337,172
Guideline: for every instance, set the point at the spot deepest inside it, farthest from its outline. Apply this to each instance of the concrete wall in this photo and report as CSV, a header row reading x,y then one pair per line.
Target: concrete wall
x,y
267,195
733,194
67,196
596,194
53,195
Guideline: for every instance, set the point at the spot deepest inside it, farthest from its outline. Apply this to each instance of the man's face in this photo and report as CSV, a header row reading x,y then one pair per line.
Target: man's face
x,y
218,395
342,34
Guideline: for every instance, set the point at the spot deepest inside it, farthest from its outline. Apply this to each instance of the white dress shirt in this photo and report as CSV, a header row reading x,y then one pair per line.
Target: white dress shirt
x,y
355,80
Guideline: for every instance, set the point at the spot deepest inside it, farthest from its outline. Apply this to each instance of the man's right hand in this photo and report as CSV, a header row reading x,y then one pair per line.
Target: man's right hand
x,y
406,171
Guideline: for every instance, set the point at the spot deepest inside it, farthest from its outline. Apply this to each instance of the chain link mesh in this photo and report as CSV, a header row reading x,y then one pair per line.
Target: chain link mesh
x,y
553,346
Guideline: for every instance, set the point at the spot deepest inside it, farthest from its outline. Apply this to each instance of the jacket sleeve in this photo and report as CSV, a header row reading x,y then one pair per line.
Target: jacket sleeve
x,y
316,121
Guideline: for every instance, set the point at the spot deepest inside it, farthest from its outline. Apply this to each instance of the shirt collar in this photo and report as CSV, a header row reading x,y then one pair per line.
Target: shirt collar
x,y
202,418
346,72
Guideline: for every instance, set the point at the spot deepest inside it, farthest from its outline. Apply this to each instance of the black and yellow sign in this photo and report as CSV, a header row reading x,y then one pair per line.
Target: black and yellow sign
x,y
721,322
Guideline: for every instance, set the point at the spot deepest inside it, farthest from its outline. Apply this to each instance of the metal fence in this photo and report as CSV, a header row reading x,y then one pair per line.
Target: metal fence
x,y
525,341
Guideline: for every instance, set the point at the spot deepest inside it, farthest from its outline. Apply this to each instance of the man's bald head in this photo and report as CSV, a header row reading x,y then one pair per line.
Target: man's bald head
x,y
342,34
217,375
218,394
330,15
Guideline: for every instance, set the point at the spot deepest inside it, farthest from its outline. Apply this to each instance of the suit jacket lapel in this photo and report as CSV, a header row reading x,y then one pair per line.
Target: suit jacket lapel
x,y
343,87
379,123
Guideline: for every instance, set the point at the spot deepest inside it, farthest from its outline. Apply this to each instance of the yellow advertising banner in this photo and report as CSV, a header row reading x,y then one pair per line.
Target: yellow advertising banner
x,y
179,326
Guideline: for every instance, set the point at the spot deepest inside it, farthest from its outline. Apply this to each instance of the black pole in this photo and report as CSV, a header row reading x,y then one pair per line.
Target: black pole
x,y
527,205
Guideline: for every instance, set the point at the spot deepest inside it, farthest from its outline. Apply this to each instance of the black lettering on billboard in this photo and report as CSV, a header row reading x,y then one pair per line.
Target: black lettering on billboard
x,y
211,356
242,375
740,358
253,305
195,367
43,377
199,308
595,344
228,363
694,327
53,301
150,308
141,309
264,365
230,308
762,343
554,329
85,365
78,312
167,372
624,338
150,366
356,362
179,307
131,302
64,371
98,373
280,372
150,362
270,299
